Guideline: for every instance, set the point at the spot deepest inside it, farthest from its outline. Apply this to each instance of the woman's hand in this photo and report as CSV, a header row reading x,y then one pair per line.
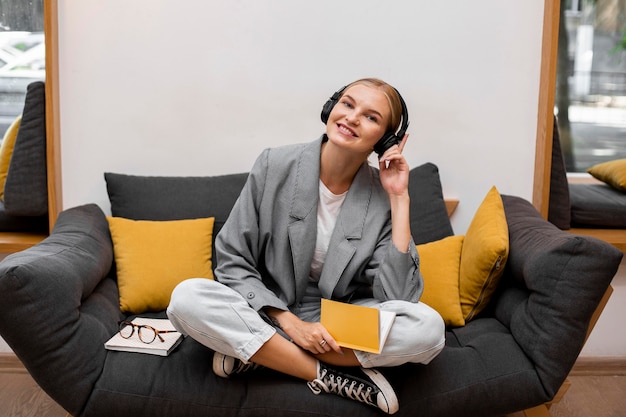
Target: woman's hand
x,y
394,170
394,177
312,337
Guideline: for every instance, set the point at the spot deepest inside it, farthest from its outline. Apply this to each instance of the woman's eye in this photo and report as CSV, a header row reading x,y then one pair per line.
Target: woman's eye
x,y
347,104
372,118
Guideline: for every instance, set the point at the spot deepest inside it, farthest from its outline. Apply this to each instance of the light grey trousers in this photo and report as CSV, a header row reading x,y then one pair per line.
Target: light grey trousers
x,y
221,319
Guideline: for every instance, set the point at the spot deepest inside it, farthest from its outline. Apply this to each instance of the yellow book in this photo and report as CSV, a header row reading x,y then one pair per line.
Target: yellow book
x,y
356,327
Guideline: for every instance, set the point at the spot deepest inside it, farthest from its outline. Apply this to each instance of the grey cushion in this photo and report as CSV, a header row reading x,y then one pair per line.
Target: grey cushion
x,y
56,310
429,216
26,187
559,212
597,205
555,280
173,198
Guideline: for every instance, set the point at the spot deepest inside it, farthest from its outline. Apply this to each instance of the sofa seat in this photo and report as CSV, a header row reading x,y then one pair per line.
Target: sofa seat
x,y
597,205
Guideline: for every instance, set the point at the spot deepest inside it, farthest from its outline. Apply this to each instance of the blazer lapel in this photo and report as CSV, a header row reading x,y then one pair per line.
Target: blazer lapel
x,y
302,229
349,226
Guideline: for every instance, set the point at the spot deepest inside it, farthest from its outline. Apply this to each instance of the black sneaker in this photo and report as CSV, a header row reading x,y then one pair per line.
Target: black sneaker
x,y
375,390
225,366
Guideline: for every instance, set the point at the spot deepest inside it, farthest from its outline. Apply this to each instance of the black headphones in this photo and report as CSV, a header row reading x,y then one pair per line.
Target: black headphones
x,y
389,139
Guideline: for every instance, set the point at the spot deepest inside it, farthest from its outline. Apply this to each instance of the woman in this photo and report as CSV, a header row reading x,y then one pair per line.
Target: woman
x,y
316,221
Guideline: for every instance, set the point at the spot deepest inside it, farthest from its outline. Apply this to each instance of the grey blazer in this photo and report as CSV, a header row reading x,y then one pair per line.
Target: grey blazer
x,y
265,248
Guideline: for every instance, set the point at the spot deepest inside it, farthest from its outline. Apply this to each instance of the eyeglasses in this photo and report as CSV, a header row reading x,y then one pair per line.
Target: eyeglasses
x,y
146,334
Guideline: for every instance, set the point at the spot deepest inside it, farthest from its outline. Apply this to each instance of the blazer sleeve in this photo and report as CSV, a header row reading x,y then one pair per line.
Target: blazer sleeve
x,y
237,246
398,276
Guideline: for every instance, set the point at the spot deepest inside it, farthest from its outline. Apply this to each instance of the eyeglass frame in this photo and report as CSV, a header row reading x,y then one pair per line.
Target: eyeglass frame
x,y
157,333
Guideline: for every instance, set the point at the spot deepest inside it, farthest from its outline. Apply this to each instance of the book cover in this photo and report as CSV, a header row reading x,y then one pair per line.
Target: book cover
x,y
357,327
134,344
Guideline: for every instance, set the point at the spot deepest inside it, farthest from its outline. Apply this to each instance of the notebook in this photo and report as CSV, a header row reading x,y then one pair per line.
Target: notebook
x,y
357,327
133,344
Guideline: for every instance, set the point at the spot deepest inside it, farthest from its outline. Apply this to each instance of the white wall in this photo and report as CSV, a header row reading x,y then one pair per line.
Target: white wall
x,y
201,87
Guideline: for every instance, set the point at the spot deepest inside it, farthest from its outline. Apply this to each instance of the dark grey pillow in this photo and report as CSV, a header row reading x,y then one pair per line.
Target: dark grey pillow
x,y
429,216
559,279
56,310
26,187
174,198
559,213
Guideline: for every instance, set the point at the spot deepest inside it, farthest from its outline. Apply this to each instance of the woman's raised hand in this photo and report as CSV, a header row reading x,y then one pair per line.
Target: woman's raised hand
x,y
394,170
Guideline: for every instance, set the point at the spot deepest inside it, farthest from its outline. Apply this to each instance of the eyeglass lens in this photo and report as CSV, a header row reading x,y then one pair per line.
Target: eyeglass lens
x,y
146,333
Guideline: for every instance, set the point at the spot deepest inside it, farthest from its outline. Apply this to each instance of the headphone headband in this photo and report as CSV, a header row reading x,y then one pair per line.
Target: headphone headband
x,y
389,138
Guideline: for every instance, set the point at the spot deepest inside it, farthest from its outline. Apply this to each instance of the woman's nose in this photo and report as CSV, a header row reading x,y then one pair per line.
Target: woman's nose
x,y
352,118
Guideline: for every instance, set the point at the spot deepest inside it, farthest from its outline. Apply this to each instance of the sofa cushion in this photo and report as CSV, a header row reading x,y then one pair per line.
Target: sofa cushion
x,y
597,205
559,203
439,265
26,187
174,198
152,257
611,172
57,310
6,151
552,284
484,255
429,216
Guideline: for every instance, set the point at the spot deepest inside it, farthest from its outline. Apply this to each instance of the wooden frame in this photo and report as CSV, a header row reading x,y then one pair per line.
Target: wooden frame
x,y
17,241
545,108
53,145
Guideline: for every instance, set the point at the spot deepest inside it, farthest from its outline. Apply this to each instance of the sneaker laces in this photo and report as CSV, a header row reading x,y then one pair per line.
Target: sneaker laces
x,y
351,388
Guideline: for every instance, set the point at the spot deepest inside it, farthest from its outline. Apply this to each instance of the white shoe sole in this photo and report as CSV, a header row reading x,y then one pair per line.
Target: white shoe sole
x,y
388,402
219,360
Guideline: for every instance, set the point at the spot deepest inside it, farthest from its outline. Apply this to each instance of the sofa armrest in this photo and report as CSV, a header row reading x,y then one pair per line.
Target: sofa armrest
x,y
553,282
57,306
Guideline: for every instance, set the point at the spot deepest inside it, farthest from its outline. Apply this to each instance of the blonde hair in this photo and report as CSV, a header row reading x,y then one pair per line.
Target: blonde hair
x,y
392,96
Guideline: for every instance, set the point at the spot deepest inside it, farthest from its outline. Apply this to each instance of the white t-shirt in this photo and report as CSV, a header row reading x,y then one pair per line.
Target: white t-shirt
x,y
328,209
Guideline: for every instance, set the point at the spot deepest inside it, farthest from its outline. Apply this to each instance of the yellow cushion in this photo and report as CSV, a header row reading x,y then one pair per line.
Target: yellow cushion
x,y
439,263
6,151
485,252
152,257
611,172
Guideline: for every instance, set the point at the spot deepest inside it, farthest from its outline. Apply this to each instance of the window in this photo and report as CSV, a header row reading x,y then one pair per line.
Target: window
x,y
591,82
22,55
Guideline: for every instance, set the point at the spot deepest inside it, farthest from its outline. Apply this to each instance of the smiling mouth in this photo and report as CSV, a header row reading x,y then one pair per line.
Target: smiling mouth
x,y
346,130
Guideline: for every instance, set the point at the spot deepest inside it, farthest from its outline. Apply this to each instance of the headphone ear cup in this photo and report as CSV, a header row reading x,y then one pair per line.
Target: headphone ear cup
x,y
326,109
330,103
386,142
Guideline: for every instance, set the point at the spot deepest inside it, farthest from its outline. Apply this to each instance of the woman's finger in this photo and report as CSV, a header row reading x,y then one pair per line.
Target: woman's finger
x,y
403,142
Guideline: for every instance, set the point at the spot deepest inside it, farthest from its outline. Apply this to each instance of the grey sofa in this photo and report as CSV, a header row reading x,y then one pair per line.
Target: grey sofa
x,y
59,304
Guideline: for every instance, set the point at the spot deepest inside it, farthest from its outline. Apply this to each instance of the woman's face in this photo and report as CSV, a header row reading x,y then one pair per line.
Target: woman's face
x,y
359,119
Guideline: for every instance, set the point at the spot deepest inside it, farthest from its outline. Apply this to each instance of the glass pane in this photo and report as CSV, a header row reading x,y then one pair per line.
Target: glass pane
x,y
591,82
22,55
